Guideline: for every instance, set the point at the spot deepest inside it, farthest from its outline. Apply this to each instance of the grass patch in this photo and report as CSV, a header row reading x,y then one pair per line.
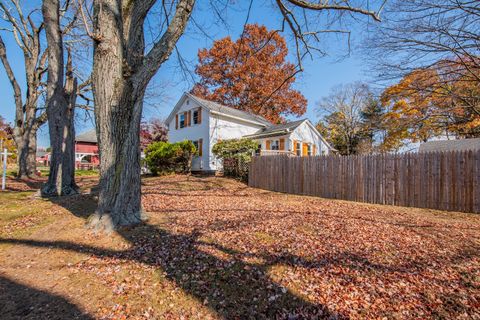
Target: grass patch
x,y
264,237
81,173
20,214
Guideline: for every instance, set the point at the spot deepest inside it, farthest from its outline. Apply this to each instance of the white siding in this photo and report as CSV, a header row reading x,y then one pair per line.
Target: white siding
x,y
263,142
224,128
193,133
212,129
305,134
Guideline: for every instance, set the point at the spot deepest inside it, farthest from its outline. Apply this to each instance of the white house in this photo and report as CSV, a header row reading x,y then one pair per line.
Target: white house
x,y
205,122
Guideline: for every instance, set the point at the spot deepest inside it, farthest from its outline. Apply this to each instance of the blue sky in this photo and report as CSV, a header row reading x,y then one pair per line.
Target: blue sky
x,y
320,75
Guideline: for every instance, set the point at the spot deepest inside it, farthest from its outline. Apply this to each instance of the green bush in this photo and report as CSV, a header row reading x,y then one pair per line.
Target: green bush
x,y
236,155
164,157
235,148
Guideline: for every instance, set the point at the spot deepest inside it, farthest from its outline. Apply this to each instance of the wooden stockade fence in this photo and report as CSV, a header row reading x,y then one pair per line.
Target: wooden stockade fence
x,y
445,181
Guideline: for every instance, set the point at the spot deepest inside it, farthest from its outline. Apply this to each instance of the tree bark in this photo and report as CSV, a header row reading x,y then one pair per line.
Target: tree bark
x,y
60,108
26,142
121,72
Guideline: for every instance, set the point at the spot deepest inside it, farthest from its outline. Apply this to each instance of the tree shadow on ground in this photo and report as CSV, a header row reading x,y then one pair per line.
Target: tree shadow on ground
x,y
232,288
19,301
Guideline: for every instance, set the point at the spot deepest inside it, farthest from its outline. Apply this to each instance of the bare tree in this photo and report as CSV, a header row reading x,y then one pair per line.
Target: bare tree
x,y
121,72
342,110
61,99
421,33
122,69
28,116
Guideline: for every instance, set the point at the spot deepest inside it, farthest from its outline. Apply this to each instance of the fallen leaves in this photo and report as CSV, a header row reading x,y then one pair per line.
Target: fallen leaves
x,y
214,248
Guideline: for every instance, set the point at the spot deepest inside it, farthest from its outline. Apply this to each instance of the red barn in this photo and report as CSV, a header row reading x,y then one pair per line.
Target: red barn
x,y
86,150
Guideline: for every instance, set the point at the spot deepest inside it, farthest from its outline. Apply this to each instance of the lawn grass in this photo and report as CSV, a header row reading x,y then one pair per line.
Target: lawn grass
x,y
215,249
44,172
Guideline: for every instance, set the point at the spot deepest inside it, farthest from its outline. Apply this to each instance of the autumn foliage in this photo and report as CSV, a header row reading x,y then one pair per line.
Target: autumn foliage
x,y
153,130
251,74
6,136
430,102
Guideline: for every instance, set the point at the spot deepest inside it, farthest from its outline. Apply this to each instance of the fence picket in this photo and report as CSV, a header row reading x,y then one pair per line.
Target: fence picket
x,y
439,180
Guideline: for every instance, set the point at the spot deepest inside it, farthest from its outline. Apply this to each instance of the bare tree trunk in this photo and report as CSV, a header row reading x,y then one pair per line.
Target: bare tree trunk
x,y
32,152
121,72
23,168
26,143
60,108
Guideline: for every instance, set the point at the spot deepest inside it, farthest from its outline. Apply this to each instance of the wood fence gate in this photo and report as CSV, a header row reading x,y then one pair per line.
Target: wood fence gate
x,y
437,180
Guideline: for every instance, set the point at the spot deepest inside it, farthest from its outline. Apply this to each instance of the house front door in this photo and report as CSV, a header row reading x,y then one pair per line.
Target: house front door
x,y
196,163
304,150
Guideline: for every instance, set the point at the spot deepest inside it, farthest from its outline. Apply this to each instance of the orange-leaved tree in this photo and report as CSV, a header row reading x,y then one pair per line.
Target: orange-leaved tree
x,y
430,102
250,74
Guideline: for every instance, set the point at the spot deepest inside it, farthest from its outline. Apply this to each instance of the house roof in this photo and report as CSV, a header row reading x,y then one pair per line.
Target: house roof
x,y
277,130
41,153
229,111
88,136
284,129
220,109
450,145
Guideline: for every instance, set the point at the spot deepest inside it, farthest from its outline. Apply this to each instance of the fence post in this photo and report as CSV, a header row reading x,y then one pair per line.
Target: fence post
x,y
476,187
4,176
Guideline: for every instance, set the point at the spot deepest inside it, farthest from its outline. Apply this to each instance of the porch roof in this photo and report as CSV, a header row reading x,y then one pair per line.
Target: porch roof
x,y
276,130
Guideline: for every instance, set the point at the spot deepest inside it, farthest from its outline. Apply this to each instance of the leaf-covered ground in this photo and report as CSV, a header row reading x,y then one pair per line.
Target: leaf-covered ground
x,y
216,249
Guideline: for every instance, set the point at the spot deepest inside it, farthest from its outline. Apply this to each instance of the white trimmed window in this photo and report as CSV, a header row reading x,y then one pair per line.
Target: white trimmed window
x,y
182,120
275,145
195,116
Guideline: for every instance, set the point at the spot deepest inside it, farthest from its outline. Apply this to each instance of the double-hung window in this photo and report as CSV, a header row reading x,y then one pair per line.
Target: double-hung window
x,y
182,120
309,149
275,145
195,116
298,149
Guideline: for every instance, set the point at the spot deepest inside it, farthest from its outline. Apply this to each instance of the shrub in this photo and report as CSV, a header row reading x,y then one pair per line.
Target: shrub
x,y
236,155
235,148
164,157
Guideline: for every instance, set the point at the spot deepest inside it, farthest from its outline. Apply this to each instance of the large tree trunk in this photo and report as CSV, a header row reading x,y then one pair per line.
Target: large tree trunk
x,y
119,146
121,72
60,108
26,152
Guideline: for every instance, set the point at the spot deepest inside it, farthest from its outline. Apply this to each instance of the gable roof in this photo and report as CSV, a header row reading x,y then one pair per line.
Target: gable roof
x,y
450,145
277,130
41,153
286,128
88,136
220,109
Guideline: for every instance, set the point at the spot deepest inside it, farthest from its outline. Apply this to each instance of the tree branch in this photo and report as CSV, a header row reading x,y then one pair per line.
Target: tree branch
x,y
11,76
162,49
